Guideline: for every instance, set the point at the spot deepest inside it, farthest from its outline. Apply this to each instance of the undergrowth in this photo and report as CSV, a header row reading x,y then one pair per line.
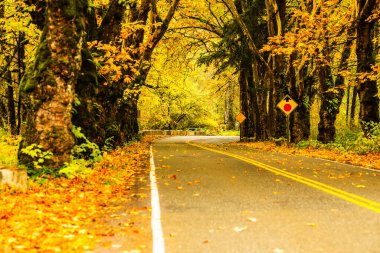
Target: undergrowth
x,y
8,147
349,141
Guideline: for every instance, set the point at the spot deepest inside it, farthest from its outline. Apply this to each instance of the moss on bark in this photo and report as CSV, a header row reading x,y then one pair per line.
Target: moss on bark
x,y
48,87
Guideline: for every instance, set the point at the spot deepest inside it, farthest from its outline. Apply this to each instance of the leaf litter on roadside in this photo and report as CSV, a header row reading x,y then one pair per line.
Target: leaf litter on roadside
x,y
72,215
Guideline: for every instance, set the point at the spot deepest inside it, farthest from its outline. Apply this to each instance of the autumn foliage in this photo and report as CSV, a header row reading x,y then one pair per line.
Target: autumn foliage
x,y
68,215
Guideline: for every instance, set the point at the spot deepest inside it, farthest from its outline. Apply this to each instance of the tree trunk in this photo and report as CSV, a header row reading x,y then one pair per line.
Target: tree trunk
x,y
353,106
20,73
348,100
245,133
3,114
253,106
114,118
11,105
366,57
49,84
276,10
331,99
229,116
332,95
300,118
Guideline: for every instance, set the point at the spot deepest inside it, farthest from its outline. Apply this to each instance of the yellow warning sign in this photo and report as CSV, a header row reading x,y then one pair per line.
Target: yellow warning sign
x,y
287,105
240,118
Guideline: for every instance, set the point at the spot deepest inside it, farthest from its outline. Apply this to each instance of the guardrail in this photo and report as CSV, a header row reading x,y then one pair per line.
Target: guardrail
x,y
173,132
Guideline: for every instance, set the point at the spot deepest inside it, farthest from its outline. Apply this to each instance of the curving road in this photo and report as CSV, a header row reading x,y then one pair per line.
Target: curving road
x,y
224,198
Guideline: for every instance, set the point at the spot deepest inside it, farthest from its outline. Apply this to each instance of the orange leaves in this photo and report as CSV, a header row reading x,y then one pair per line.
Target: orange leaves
x,y
368,160
64,215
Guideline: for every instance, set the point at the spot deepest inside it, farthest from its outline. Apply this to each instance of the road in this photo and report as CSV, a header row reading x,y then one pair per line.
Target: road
x,y
212,200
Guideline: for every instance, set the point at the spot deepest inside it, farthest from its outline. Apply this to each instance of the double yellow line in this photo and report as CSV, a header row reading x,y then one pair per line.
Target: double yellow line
x,y
353,198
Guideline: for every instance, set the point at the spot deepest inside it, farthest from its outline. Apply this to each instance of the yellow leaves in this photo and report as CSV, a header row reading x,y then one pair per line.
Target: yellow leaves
x,y
311,224
64,215
115,62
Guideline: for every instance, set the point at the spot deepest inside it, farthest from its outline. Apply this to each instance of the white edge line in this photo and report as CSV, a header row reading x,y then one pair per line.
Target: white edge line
x,y
157,233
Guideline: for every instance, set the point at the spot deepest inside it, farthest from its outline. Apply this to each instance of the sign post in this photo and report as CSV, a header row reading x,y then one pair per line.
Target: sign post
x,y
287,105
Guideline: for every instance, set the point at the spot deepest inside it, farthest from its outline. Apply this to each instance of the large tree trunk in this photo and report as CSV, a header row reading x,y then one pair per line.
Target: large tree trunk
x,y
366,57
49,84
300,118
331,99
276,10
332,95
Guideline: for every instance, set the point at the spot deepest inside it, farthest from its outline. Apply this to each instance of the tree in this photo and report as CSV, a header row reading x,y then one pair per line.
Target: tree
x,y
366,57
332,90
48,87
16,32
123,45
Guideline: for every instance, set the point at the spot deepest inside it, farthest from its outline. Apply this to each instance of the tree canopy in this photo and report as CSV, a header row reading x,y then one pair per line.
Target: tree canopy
x,y
80,72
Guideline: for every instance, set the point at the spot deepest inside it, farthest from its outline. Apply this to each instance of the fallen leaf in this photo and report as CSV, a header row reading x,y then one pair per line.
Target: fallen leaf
x,y
251,219
240,229
311,224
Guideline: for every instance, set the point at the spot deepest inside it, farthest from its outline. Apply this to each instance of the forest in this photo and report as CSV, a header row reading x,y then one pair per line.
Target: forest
x,y
79,77
80,80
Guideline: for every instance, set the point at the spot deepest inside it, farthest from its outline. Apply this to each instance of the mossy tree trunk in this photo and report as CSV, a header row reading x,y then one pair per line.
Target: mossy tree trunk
x,y
48,87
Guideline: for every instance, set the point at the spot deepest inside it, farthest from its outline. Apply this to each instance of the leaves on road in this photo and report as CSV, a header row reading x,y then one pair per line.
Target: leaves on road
x,y
368,160
240,229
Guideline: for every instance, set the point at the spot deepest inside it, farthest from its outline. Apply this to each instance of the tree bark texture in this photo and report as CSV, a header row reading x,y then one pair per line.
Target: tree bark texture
x,y
49,84
247,130
229,115
332,93
366,57
301,89
331,100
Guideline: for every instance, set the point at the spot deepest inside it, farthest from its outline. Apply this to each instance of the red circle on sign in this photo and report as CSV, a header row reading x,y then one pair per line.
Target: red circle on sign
x,y
287,107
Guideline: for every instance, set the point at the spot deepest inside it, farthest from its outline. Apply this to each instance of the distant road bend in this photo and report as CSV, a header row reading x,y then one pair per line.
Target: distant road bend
x,y
224,198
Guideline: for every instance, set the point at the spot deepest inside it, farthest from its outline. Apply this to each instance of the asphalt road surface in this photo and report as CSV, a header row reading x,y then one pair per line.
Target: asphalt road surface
x,y
228,199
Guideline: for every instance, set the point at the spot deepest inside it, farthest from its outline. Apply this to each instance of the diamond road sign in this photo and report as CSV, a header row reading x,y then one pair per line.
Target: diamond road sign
x,y
240,118
287,105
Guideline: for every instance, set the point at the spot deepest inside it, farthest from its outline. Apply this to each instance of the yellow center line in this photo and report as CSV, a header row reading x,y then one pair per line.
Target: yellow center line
x,y
353,198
